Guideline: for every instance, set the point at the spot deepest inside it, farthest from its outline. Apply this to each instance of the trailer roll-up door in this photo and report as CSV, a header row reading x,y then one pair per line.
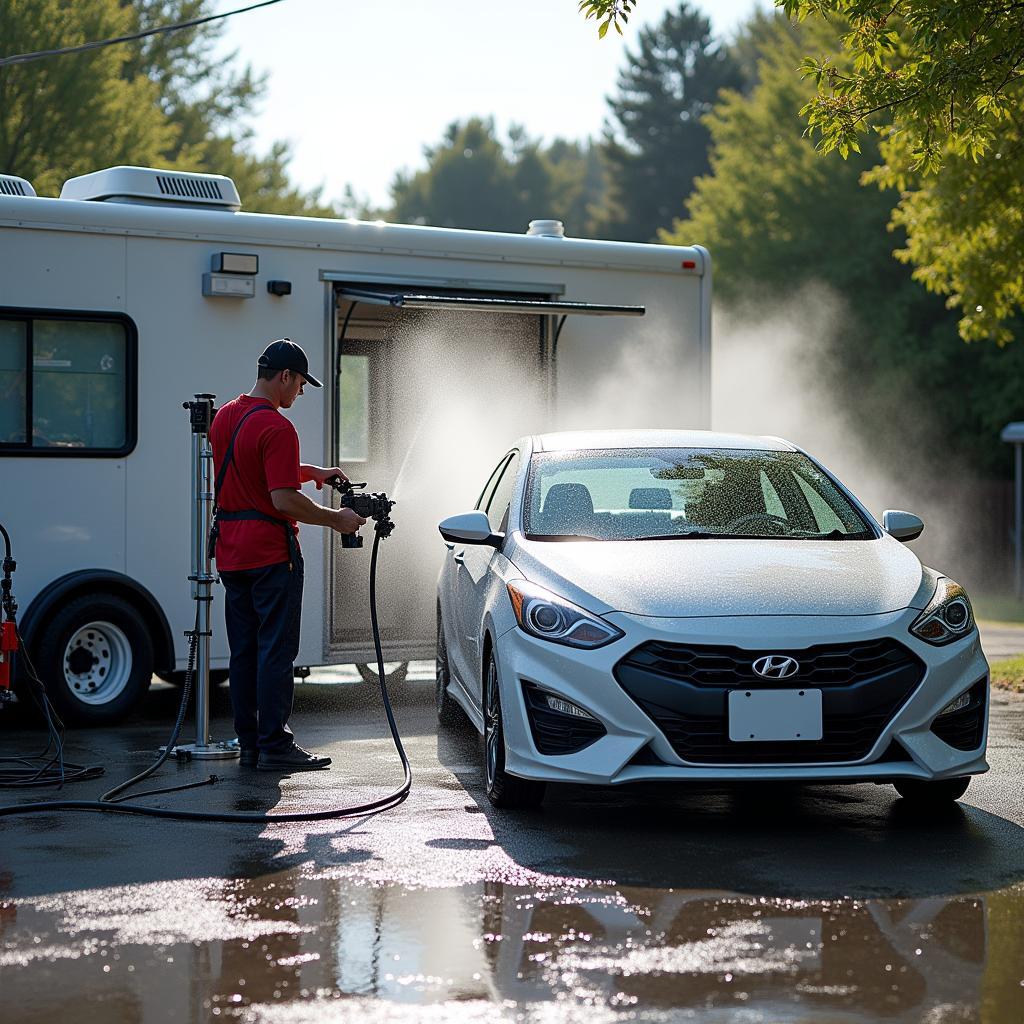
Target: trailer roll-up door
x,y
475,302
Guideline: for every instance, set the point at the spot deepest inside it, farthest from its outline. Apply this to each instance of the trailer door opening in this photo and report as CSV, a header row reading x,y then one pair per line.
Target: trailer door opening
x,y
430,387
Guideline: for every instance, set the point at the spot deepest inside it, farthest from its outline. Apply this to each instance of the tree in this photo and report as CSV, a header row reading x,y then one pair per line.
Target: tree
x,y
474,180
607,13
64,117
658,143
163,101
942,82
776,217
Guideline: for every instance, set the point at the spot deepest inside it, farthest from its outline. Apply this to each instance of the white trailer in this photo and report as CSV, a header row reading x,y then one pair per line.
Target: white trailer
x,y
138,288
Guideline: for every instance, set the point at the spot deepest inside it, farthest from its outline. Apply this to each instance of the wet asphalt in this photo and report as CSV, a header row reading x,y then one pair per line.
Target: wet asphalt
x,y
656,903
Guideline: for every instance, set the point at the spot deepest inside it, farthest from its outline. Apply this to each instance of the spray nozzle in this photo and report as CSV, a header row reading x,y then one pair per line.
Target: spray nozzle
x,y
370,506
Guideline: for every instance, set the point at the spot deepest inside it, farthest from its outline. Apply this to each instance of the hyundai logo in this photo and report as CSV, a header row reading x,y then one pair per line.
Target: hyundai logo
x,y
776,666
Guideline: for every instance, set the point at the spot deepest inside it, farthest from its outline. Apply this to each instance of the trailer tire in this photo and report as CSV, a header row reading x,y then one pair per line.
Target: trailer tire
x,y
95,658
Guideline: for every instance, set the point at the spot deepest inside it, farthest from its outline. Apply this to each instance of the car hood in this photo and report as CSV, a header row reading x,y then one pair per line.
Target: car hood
x,y
728,577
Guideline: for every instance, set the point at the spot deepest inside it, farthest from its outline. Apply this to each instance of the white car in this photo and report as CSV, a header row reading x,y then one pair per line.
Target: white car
x,y
686,605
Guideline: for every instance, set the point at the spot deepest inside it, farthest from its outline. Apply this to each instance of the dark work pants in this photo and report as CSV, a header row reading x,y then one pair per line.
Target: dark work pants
x,y
262,608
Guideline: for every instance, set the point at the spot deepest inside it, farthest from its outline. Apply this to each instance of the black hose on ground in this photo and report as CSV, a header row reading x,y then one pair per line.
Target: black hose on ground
x,y
107,803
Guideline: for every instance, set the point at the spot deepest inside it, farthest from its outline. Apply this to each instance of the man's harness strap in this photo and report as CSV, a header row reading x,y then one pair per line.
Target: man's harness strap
x,y
223,516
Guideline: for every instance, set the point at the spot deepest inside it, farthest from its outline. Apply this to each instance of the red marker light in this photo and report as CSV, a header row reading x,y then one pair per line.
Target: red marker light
x,y
689,264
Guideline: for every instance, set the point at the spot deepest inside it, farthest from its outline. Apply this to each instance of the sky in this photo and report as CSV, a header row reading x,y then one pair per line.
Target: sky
x,y
359,88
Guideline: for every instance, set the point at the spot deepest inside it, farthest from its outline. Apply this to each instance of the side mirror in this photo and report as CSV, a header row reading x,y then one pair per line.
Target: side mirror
x,y
903,526
469,528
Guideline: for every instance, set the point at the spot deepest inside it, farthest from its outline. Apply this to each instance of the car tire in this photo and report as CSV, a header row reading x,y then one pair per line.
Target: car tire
x,y
503,790
95,658
448,712
392,677
940,793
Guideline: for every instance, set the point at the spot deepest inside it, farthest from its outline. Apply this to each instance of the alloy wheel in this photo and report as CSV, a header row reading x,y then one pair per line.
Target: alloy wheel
x,y
492,724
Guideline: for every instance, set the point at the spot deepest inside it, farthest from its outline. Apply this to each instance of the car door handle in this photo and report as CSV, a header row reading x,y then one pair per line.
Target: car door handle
x,y
461,558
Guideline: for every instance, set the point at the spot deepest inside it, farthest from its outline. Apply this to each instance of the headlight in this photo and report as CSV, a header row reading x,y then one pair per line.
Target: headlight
x,y
549,617
948,616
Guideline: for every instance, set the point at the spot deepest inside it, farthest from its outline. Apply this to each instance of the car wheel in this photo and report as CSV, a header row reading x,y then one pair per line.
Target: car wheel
x,y
394,673
448,712
503,790
932,794
95,658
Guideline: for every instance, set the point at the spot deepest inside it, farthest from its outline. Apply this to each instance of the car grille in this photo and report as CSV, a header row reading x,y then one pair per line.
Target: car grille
x,y
964,729
684,689
732,667
554,732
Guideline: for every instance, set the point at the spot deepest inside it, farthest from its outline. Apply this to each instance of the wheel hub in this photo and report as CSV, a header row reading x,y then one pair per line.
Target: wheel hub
x,y
97,662
81,661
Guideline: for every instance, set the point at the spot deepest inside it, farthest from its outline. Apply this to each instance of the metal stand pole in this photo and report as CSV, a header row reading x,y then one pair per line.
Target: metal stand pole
x,y
202,578
1018,514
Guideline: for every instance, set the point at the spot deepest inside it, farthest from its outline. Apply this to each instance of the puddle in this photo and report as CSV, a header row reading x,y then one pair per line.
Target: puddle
x,y
302,945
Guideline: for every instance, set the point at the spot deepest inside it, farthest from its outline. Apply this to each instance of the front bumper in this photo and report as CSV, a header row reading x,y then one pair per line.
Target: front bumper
x,y
636,746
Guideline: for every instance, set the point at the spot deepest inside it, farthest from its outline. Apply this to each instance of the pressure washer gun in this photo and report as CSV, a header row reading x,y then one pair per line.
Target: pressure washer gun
x,y
370,506
9,626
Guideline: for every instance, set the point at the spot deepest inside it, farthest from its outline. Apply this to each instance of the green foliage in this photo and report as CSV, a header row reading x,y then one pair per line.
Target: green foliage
x,y
607,13
1008,674
165,101
475,180
943,82
64,117
776,216
658,142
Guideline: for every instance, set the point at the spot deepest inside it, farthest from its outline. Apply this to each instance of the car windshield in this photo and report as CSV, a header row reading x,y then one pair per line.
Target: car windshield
x,y
695,493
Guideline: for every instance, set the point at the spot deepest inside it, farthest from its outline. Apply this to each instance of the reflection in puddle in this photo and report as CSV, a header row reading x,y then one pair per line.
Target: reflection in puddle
x,y
298,945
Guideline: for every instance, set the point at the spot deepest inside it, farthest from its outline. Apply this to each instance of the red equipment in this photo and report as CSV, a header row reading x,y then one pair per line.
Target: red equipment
x,y
8,647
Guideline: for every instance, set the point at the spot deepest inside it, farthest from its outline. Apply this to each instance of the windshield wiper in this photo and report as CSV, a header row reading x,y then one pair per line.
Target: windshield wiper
x,y
559,536
835,535
691,535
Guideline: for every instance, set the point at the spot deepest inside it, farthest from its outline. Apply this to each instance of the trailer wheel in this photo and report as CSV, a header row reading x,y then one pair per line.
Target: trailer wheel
x,y
394,673
95,657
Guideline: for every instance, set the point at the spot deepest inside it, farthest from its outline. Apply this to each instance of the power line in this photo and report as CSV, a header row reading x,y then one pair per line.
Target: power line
x,y
25,58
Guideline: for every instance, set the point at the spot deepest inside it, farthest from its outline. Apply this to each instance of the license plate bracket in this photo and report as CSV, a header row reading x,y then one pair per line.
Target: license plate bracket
x,y
757,716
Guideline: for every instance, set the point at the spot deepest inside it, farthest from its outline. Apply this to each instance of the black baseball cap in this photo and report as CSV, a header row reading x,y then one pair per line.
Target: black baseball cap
x,y
284,354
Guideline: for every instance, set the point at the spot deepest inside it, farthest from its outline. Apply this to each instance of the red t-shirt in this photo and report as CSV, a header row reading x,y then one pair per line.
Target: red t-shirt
x,y
266,457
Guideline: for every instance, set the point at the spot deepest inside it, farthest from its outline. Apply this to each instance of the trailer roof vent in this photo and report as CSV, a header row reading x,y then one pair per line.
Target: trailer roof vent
x,y
148,186
546,228
11,185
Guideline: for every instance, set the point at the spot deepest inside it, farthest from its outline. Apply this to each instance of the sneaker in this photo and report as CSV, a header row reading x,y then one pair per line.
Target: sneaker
x,y
248,757
294,760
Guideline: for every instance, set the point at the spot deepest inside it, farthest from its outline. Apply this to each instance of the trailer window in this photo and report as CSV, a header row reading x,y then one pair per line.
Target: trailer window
x,y
13,382
66,384
354,400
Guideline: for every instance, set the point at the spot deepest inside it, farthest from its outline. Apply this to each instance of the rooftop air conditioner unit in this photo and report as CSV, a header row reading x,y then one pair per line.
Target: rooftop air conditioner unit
x,y
149,186
11,185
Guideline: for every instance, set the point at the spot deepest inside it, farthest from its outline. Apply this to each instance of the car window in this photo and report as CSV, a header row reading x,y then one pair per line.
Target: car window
x,y
824,516
631,494
497,507
485,494
772,502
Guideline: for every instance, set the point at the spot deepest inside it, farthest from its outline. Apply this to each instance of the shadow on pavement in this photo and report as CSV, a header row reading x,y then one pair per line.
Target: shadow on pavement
x,y
767,839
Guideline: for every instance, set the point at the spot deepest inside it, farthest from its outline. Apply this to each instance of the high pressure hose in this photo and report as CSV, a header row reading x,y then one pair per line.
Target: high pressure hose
x,y
107,801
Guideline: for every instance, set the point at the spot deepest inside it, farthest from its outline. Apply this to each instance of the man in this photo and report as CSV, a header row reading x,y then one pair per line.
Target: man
x,y
259,504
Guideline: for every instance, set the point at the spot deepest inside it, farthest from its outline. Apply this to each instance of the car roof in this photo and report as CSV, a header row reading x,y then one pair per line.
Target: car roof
x,y
573,440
